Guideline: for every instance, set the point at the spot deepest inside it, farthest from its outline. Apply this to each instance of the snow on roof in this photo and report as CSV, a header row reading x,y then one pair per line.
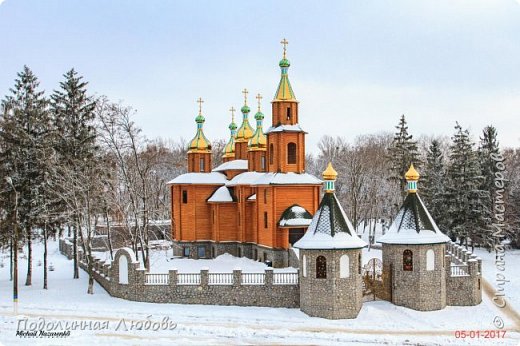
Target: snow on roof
x,y
246,178
222,194
213,178
232,165
285,128
287,178
295,216
258,178
252,197
413,225
330,228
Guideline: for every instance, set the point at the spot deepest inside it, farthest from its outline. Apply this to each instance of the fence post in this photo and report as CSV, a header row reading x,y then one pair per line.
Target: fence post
x,y
204,277
173,277
237,277
447,264
269,277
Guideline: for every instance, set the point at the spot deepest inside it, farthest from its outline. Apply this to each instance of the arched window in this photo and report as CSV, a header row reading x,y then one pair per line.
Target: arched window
x,y
304,266
430,260
344,263
288,113
123,270
407,260
321,267
202,165
359,264
271,154
291,153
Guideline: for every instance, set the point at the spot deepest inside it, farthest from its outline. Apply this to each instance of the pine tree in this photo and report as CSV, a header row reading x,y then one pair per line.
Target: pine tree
x,y
24,137
466,209
433,177
73,116
402,152
488,152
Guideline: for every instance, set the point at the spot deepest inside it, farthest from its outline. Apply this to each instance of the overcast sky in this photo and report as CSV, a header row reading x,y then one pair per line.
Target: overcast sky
x,y
356,66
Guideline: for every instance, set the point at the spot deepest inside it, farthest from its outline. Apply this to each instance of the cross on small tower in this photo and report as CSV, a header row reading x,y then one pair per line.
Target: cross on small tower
x,y
245,92
285,43
200,101
232,110
259,98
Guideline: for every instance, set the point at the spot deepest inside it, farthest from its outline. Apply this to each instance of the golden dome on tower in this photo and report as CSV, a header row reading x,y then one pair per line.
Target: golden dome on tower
x,y
330,173
412,174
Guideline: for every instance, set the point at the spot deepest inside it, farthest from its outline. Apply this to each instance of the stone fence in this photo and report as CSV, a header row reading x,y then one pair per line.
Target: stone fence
x,y
123,278
463,276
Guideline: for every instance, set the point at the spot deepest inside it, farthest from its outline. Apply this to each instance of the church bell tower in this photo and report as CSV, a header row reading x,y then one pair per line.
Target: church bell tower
x,y
285,138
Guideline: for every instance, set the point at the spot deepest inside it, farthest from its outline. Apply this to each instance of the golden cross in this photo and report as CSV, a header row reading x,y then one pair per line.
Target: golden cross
x,y
285,43
232,110
200,101
259,98
245,92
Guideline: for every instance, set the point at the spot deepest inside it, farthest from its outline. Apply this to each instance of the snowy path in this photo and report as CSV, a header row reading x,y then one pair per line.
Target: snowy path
x,y
378,322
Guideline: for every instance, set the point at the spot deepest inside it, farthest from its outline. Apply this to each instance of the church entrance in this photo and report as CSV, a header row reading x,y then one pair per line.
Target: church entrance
x,y
295,234
377,284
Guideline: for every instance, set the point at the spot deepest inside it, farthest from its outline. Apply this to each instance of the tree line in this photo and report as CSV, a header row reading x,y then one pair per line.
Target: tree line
x,y
471,189
70,161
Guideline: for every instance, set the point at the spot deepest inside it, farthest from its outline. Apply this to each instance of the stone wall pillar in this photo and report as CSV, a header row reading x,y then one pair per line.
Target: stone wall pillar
x,y
237,277
173,277
269,277
204,277
447,265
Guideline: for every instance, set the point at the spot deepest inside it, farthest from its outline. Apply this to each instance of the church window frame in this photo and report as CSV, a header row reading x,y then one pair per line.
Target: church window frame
x,y
185,196
321,267
271,153
291,153
304,266
407,260
262,163
289,113
202,164
266,219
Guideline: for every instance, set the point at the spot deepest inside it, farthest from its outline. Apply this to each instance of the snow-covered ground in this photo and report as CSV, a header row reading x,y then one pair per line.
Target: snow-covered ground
x,y
162,260
378,322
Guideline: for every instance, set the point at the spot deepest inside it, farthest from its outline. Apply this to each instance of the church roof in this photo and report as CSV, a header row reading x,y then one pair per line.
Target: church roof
x,y
222,194
213,178
413,225
295,216
232,165
284,91
257,178
330,228
285,128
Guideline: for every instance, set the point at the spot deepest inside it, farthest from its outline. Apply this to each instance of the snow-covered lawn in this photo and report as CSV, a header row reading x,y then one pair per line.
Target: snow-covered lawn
x,y
378,322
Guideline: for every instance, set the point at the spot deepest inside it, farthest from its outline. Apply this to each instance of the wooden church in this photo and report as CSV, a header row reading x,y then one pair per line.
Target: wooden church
x,y
259,201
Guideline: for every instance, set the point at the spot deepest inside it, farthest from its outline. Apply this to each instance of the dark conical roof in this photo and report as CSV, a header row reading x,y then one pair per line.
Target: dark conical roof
x,y
413,225
330,228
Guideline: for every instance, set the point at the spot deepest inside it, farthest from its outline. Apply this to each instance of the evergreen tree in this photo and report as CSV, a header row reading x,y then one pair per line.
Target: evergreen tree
x,y
488,152
466,207
24,149
73,116
432,183
402,152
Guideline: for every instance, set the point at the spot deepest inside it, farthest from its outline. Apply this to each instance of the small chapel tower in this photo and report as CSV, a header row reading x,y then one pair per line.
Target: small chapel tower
x,y
331,283
229,149
285,138
257,147
245,132
414,254
199,150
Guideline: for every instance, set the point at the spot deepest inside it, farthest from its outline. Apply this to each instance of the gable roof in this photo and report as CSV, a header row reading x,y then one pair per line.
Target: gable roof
x,y
221,195
213,178
295,216
232,165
